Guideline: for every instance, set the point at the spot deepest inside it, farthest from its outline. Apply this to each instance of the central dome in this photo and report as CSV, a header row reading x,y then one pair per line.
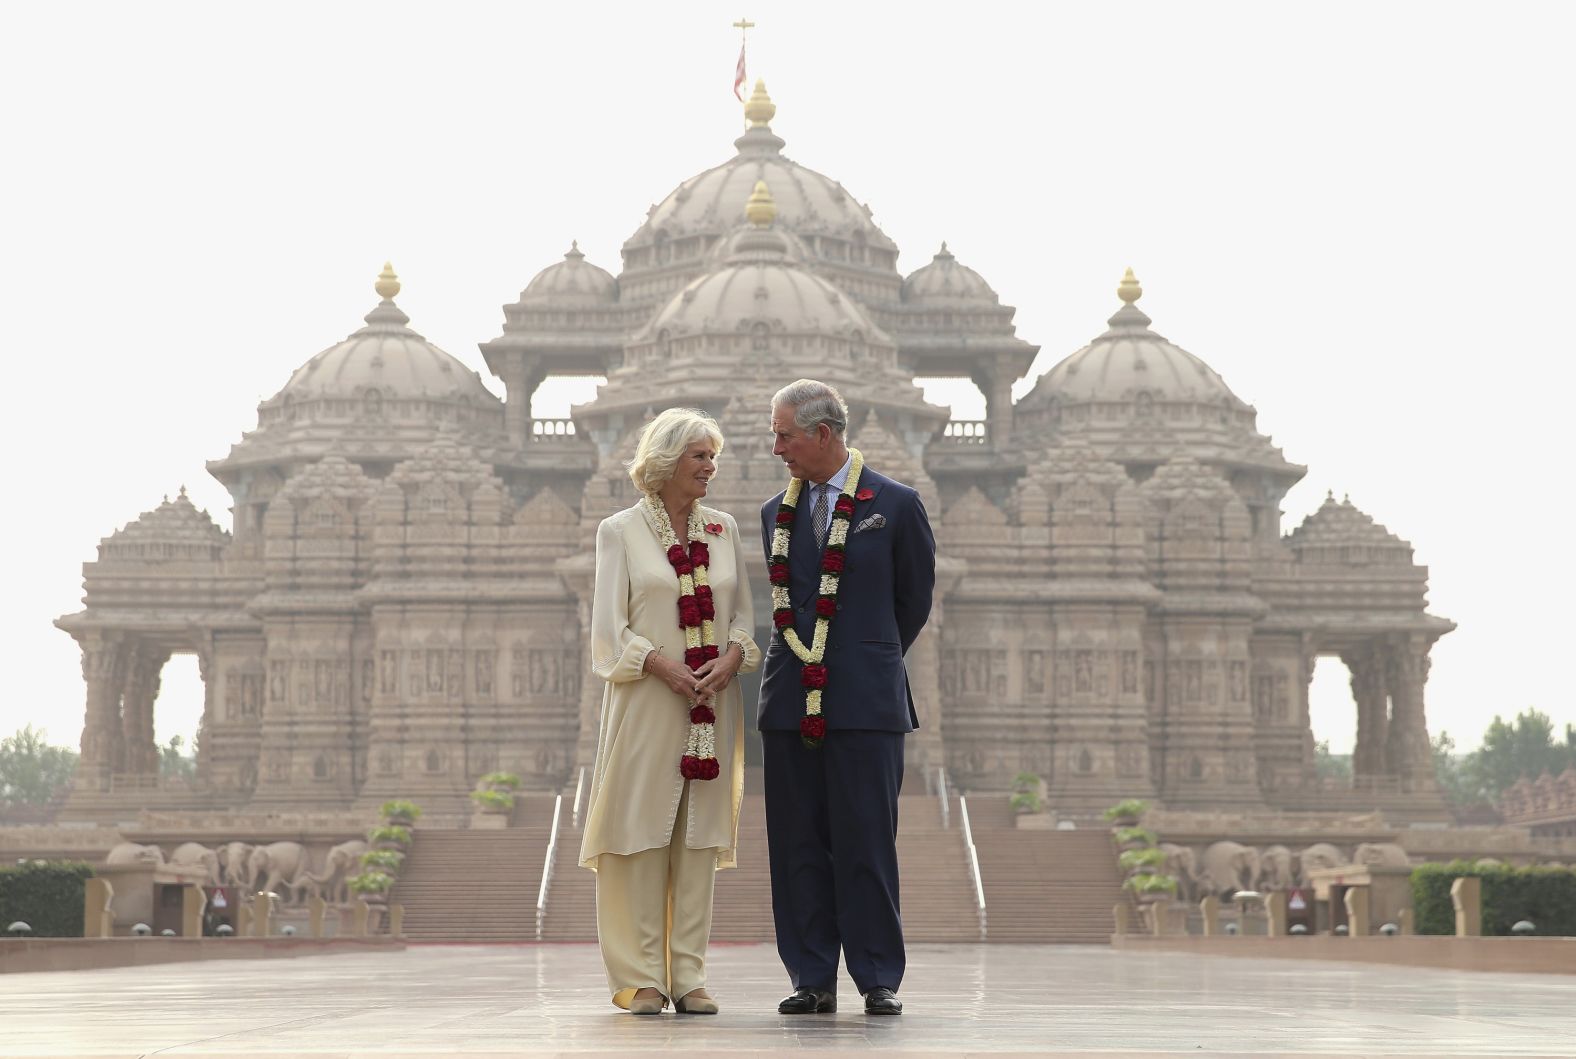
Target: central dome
x,y
686,225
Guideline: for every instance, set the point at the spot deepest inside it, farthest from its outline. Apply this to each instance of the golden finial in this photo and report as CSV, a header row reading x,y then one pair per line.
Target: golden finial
x,y
388,283
761,210
759,108
1129,290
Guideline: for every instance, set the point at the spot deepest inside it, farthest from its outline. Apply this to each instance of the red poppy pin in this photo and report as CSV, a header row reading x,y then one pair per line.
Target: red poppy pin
x,y
714,528
865,494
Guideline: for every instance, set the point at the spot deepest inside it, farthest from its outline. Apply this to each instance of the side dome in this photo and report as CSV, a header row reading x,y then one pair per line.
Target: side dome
x,y
572,281
1129,359
375,398
386,358
1140,400
686,225
944,281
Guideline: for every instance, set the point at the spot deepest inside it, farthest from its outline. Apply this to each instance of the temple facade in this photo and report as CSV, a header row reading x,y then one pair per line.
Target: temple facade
x,y
399,605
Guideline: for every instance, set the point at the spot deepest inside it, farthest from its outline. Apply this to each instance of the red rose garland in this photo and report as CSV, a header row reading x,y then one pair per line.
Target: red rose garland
x,y
812,727
697,611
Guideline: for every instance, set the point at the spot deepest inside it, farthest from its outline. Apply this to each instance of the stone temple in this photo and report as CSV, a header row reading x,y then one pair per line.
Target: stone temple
x,y
398,608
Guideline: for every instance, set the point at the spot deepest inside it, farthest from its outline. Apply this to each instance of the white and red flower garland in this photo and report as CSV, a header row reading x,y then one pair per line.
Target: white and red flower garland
x,y
812,727
696,614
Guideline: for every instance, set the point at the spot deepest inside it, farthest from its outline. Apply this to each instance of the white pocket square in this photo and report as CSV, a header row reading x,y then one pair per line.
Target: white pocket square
x,y
872,523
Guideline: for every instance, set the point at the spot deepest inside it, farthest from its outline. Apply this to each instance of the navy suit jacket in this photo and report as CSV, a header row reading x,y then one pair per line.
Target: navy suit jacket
x,y
883,600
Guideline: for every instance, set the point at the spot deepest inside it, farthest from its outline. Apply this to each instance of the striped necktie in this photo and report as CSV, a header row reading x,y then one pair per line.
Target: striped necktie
x,y
819,517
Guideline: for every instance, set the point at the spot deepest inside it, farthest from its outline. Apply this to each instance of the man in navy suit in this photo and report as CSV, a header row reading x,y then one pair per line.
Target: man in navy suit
x,y
831,809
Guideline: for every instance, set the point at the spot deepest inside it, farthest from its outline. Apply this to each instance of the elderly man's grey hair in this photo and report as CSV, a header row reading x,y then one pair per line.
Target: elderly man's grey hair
x,y
814,403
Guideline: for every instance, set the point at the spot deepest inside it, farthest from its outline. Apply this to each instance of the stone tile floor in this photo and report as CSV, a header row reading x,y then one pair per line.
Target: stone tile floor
x,y
515,1000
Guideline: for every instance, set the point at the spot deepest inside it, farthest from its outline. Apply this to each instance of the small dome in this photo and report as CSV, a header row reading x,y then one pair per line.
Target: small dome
x,y
758,282
385,356
1130,359
944,281
572,280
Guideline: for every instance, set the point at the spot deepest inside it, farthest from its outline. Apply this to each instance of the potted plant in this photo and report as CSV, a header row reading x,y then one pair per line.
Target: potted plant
x,y
1150,887
1027,791
1134,837
371,886
1126,812
500,781
384,860
492,801
389,836
401,812
1141,861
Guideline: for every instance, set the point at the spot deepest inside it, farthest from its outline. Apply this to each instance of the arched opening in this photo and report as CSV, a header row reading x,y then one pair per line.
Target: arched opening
x,y
177,714
1332,714
966,400
558,393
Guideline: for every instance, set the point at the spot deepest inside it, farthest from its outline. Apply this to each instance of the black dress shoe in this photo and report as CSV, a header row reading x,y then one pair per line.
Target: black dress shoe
x,y
882,1001
808,1002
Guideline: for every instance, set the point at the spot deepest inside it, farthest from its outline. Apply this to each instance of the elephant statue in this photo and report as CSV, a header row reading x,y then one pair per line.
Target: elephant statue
x,y
1381,855
197,855
1227,867
278,867
343,861
1276,871
235,865
1320,855
1181,865
133,853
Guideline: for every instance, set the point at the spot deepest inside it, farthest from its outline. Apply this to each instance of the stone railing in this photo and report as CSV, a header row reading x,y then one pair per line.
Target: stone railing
x,y
546,431
965,432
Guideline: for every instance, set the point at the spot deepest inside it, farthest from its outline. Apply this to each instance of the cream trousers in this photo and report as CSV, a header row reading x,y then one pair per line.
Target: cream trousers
x,y
653,915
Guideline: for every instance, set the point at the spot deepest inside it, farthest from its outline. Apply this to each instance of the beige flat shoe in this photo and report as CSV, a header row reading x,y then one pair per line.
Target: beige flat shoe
x,y
695,1005
648,1005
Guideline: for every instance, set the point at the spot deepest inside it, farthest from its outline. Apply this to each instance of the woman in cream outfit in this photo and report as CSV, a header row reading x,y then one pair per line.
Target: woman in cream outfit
x,y
654,838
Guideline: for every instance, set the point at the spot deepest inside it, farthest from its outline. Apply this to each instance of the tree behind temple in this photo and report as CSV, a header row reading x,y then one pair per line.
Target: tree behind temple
x,y
31,771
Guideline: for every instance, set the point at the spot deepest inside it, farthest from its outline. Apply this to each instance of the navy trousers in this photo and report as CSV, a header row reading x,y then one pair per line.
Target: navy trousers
x,y
831,833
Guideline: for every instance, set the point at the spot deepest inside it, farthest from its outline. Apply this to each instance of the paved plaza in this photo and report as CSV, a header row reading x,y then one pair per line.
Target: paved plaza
x,y
433,1000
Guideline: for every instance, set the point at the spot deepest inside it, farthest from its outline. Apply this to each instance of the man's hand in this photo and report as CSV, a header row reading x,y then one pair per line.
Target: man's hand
x,y
716,674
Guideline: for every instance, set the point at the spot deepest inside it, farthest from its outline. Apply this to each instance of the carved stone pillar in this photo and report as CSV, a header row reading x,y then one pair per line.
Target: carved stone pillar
x,y
141,752
521,379
995,382
103,670
1408,749
1369,756
578,574
924,749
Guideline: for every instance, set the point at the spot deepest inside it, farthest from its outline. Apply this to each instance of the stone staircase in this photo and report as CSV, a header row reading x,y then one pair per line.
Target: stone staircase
x,y
465,885
1054,887
937,896
482,885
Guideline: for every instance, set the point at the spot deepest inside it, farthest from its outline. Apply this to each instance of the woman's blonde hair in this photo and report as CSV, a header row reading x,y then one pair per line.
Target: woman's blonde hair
x,y
664,440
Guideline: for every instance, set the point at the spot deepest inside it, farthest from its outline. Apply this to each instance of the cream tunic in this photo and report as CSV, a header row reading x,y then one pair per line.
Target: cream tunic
x,y
636,786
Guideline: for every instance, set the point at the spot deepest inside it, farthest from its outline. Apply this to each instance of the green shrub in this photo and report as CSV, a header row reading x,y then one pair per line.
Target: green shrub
x,y
371,882
504,780
47,897
1133,859
398,809
493,799
1546,896
387,860
1026,802
1141,836
1128,807
1151,884
389,833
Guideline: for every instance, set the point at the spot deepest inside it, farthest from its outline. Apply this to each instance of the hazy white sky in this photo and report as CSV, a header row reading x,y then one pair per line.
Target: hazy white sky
x,y
1360,214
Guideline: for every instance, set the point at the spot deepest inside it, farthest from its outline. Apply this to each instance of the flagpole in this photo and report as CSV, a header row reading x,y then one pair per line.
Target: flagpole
x,y
744,25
